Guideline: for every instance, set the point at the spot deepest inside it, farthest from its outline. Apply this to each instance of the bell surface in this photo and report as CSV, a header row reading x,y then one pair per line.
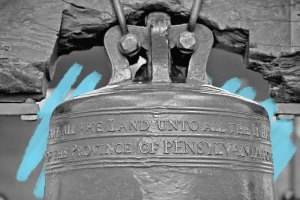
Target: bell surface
x,y
144,142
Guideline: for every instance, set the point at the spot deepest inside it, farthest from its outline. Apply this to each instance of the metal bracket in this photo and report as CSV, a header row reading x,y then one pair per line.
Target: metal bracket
x,y
158,24
197,64
158,39
120,65
194,42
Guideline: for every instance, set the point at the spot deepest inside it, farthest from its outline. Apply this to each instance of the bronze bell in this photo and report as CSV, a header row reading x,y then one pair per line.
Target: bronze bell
x,y
162,133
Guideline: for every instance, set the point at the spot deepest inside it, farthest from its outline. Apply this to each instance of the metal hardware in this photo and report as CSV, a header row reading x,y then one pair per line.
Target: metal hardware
x,y
194,15
120,65
158,24
120,15
196,74
129,45
187,42
158,39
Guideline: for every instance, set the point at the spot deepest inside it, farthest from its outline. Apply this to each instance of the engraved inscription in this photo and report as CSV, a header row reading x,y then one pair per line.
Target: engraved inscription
x,y
164,147
101,149
145,140
253,130
181,147
59,132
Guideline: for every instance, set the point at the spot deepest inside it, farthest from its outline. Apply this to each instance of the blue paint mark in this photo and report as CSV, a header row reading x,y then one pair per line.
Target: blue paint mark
x,y
60,91
270,106
283,148
37,145
38,142
232,85
87,85
40,185
247,92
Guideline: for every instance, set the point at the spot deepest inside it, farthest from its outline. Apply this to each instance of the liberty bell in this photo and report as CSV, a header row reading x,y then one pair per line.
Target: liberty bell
x,y
159,130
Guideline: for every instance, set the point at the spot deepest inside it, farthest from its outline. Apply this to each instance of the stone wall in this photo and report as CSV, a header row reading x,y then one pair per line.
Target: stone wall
x,y
34,33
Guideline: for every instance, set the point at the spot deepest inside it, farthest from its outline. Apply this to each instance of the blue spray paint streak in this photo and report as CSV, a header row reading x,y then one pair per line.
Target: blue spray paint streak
x,y
232,85
38,142
87,85
40,184
270,106
283,148
247,92
60,91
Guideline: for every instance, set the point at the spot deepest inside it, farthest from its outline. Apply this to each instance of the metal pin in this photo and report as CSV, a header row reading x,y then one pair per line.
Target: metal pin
x,y
121,17
129,45
187,42
194,15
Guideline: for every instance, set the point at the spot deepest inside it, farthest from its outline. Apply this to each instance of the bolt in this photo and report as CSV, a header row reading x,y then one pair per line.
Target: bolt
x,y
129,45
187,42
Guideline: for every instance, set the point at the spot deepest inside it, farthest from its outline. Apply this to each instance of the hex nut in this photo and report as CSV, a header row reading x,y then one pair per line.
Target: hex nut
x,y
129,45
187,42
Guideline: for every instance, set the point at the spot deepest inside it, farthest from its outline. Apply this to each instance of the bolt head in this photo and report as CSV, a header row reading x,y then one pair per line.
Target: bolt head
x,y
129,45
187,42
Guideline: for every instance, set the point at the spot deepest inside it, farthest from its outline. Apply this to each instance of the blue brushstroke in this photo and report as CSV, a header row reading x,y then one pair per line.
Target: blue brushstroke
x,y
270,106
232,85
87,85
37,151
38,142
60,91
40,184
283,148
247,92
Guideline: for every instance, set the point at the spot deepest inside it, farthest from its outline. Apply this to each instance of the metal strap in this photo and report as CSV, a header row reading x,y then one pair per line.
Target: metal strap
x,y
194,15
158,24
121,17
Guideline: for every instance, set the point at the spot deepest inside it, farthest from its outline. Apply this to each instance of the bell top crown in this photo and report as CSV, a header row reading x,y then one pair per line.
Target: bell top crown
x,y
159,52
